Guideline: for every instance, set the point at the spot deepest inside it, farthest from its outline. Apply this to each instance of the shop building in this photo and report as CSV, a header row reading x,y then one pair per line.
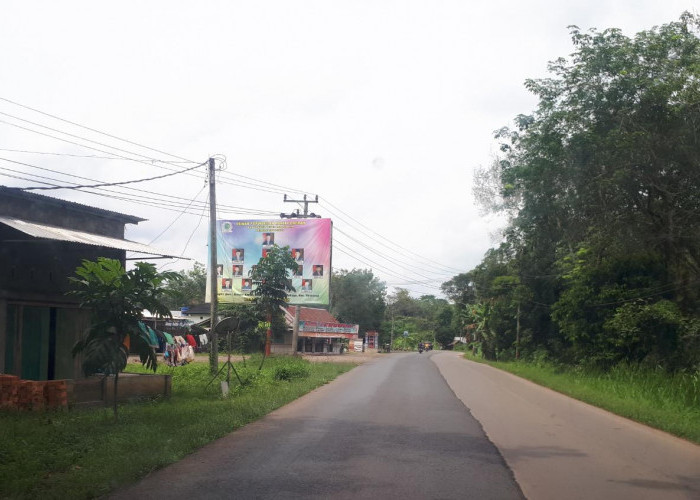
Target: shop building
x,y
319,332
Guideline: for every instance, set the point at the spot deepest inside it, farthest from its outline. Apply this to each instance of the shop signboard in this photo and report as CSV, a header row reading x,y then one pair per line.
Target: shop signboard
x,y
316,326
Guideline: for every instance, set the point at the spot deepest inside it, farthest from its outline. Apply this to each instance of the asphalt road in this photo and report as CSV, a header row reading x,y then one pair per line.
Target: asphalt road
x,y
390,428
404,426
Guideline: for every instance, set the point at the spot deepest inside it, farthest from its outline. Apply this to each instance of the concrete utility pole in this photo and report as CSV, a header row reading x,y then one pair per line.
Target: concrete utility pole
x,y
297,215
213,285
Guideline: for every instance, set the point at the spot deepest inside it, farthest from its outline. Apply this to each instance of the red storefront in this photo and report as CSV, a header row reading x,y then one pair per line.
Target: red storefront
x,y
320,332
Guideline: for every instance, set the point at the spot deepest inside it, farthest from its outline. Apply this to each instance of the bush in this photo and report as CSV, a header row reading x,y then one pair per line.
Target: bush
x,y
291,369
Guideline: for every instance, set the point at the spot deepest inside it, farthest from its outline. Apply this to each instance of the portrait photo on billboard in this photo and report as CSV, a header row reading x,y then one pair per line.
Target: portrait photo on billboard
x,y
298,254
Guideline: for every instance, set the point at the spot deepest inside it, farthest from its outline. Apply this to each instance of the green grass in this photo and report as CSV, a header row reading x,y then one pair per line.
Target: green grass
x,y
669,402
85,454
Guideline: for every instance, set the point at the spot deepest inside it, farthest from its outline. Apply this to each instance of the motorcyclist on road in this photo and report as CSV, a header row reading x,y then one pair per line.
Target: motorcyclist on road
x,y
420,347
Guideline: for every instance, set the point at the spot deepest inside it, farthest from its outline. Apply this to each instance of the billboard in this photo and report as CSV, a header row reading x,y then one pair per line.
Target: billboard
x,y
242,243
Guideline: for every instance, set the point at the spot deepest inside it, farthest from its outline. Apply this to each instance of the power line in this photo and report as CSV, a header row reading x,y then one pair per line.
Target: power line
x,y
178,216
93,130
77,136
394,261
168,198
449,269
373,263
97,157
33,188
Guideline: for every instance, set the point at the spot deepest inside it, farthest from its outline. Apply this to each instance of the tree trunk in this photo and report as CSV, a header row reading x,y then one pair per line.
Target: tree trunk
x,y
116,383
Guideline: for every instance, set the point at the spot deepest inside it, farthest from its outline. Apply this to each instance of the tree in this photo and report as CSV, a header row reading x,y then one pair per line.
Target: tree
x,y
272,277
603,177
357,296
117,299
188,290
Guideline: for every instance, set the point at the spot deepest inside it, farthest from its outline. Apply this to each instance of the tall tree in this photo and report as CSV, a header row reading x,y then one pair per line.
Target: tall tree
x,y
358,296
601,184
272,277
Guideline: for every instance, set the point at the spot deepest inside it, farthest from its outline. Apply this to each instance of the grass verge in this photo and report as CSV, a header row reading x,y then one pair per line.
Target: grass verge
x,y
667,402
85,454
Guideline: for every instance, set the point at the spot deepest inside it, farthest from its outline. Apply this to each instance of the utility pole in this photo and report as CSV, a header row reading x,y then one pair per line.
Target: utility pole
x,y
517,333
295,330
297,215
213,285
391,338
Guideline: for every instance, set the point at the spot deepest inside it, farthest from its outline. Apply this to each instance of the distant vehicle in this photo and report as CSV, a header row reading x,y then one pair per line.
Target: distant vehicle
x,y
428,346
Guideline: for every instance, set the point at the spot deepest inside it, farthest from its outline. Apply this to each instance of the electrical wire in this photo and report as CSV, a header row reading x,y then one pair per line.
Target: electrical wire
x,y
121,183
190,238
176,218
74,155
224,178
93,130
448,268
168,199
394,261
345,250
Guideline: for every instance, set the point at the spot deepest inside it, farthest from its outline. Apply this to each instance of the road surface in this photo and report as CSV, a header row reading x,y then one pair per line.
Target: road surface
x,y
434,425
387,429
561,448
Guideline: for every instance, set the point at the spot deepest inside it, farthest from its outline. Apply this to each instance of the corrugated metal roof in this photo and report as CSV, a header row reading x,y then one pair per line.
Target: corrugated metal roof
x,y
73,236
69,205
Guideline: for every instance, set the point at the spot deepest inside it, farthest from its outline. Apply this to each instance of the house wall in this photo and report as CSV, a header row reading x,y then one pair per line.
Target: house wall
x,y
39,323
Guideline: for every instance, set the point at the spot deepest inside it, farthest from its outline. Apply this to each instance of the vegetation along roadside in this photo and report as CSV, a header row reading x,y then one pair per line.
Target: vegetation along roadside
x,y
85,454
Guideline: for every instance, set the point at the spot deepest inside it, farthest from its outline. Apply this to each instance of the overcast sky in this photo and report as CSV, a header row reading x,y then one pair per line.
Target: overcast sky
x,y
381,108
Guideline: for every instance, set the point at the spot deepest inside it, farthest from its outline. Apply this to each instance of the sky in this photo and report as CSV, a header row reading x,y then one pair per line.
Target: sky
x,y
382,108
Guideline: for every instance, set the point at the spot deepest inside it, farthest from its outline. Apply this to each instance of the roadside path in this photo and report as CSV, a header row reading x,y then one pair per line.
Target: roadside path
x,y
561,448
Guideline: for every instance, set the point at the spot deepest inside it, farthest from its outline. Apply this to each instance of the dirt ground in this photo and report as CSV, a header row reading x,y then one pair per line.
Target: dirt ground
x,y
348,357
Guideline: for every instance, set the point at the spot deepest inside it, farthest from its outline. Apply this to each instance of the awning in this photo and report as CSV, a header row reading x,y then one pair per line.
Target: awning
x,y
73,236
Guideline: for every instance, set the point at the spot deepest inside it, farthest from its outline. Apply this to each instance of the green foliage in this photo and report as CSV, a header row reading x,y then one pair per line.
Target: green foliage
x,y
117,299
188,289
291,368
601,257
358,297
246,335
272,277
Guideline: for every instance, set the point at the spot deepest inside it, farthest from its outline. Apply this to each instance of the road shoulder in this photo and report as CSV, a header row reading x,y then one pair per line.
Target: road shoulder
x,y
559,447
